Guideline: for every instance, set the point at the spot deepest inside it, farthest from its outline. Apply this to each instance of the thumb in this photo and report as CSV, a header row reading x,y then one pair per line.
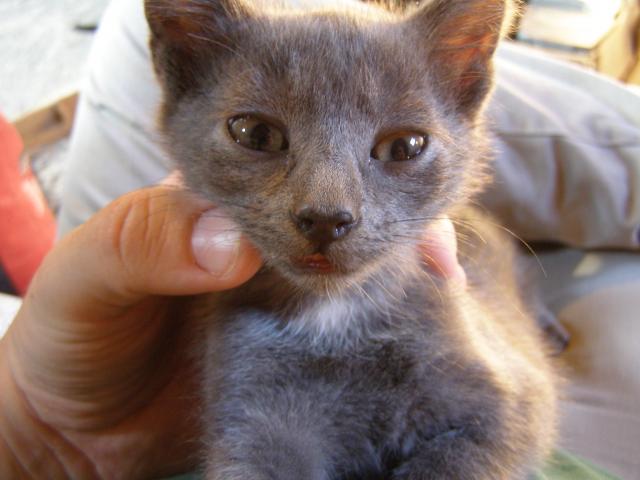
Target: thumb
x,y
439,250
155,241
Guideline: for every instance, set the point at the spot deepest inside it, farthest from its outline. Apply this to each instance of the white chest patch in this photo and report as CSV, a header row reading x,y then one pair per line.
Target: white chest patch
x,y
329,317
339,321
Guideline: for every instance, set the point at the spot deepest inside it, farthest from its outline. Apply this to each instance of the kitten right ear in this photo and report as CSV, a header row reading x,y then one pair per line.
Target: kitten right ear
x,y
461,37
187,34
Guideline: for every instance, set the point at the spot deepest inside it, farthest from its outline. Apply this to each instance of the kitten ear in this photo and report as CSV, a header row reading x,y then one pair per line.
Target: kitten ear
x,y
188,23
461,37
187,34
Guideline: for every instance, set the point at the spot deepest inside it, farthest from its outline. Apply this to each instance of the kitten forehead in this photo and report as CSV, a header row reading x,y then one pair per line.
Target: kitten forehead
x,y
336,85
321,57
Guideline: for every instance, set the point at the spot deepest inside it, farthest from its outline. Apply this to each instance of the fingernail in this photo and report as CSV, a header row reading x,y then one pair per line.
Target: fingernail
x,y
460,275
216,243
174,179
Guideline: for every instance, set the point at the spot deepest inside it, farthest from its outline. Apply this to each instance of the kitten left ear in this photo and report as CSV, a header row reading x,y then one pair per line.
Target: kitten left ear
x,y
461,37
187,23
186,35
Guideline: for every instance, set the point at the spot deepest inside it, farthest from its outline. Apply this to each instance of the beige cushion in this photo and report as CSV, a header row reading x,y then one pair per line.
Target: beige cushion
x,y
568,163
597,297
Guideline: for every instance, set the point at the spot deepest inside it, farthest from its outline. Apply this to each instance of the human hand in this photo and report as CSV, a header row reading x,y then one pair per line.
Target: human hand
x,y
94,377
94,374
439,250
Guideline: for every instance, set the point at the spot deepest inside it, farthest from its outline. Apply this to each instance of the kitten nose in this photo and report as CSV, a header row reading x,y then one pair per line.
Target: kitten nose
x,y
322,228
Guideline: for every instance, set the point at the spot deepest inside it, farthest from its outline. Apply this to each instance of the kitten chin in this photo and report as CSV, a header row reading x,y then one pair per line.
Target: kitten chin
x,y
328,279
338,312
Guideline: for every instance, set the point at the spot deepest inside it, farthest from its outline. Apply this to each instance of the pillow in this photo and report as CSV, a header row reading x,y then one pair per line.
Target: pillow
x,y
568,161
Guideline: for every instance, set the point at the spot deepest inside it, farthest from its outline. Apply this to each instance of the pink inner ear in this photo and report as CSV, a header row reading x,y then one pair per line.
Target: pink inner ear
x,y
467,35
470,53
468,48
179,20
181,28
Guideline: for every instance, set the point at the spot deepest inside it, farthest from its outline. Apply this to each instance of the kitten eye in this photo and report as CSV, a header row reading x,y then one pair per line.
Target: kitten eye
x,y
257,134
398,148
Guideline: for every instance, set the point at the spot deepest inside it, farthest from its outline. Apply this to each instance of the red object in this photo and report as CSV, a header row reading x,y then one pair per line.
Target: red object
x,y
27,226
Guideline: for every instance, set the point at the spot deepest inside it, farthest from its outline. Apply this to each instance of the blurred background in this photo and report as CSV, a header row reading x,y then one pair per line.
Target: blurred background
x,y
599,34
43,48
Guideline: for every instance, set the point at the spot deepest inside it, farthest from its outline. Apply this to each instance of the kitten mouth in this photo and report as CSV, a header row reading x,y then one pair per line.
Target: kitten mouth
x,y
315,263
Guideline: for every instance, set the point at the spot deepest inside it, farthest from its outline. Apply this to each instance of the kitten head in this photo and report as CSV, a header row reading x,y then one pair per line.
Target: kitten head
x,y
331,134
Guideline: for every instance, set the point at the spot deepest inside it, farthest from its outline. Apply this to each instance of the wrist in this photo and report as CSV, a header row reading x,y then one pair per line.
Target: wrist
x,y
28,447
13,427
9,464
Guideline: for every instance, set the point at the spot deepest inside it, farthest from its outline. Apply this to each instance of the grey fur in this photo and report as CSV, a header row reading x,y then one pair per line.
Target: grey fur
x,y
378,370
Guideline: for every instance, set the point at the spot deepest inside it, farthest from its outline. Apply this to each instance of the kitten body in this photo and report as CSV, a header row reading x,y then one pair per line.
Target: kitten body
x,y
410,379
344,358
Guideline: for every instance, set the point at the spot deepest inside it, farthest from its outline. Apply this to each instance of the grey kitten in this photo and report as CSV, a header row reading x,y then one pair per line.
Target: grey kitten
x,y
333,134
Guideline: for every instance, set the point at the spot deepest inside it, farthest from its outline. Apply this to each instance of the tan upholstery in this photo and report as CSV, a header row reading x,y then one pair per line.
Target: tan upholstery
x,y
597,297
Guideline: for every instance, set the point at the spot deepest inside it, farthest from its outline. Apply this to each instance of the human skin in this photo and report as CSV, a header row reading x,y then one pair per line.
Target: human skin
x,y
94,375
